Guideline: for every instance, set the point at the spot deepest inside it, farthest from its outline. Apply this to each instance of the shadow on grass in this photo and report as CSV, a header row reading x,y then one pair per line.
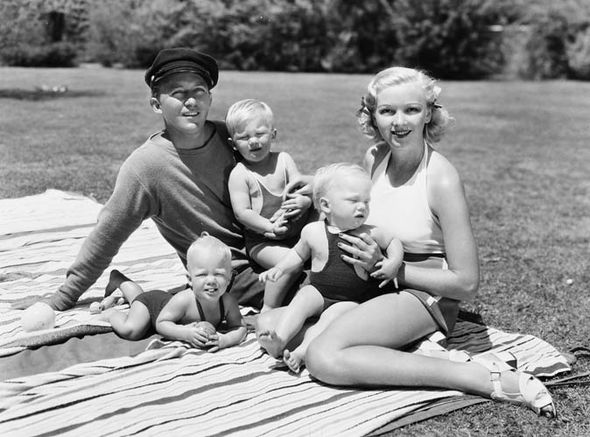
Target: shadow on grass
x,y
45,94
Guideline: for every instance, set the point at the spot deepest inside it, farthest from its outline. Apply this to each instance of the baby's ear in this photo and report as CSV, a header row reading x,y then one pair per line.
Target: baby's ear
x,y
324,205
274,134
231,143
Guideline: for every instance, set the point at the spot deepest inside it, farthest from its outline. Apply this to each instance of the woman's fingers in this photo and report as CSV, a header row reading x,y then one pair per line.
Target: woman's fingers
x,y
355,241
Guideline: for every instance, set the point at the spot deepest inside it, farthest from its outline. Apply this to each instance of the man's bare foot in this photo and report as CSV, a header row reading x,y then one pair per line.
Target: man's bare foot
x,y
270,341
115,280
294,360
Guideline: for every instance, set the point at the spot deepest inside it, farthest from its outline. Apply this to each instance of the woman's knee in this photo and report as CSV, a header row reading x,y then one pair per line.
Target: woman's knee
x,y
322,360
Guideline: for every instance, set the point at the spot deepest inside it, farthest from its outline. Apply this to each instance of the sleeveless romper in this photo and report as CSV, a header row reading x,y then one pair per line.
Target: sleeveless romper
x,y
271,202
404,211
338,281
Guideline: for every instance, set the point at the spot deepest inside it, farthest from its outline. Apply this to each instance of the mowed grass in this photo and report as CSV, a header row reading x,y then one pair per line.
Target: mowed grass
x,y
522,149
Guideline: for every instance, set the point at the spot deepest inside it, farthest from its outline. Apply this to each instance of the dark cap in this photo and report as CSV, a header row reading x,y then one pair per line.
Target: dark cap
x,y
181,59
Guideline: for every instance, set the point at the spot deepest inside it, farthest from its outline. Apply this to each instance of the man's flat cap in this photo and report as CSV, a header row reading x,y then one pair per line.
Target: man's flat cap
x,y
182,59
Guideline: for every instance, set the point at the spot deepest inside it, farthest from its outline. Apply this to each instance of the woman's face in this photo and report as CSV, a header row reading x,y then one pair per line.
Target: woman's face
x,y
401,114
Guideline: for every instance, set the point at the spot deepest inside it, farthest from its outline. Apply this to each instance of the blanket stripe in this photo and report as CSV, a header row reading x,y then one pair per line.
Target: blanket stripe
x,y
169,389
40,236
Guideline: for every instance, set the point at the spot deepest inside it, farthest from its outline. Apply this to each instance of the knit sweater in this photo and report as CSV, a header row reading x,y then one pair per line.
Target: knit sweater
x,y
183,191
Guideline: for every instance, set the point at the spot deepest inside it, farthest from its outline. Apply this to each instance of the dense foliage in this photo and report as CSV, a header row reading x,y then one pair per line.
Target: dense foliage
x,y
461,39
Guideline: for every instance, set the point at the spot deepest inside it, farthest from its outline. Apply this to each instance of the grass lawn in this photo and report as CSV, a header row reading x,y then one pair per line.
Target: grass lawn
x,y
522,148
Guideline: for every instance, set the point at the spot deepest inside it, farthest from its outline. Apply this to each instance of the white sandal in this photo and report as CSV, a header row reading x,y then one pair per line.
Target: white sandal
x,y
531,392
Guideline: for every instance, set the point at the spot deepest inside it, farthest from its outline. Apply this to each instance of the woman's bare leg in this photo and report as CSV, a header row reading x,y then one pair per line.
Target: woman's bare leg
x,y
360,348
296,358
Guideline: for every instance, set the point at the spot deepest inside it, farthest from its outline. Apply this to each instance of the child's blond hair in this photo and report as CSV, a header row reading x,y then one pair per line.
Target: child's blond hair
x,y
210,244
325,177
244,110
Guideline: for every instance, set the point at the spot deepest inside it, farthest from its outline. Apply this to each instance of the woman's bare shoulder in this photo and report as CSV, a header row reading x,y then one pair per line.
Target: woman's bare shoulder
x,y
441,173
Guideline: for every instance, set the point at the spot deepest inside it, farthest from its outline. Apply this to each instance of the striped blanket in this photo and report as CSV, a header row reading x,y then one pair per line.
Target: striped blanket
x,y
168,388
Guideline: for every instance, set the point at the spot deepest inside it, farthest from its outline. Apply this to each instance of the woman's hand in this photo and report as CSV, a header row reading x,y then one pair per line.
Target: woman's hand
x,y
362,251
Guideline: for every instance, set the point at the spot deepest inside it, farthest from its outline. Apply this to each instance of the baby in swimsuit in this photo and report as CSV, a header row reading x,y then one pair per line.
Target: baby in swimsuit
x,y
271,214
192,315
342,193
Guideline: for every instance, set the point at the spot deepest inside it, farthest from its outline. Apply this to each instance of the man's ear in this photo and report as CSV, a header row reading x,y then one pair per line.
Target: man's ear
x,y
428,115
155,104
231,143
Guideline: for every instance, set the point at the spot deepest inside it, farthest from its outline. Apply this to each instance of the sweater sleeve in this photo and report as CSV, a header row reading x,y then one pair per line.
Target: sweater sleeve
x,y
124,212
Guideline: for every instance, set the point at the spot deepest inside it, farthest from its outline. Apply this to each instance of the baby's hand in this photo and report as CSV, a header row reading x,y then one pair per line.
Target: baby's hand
x,y
216,342
386,271
270,275
279,228
196,335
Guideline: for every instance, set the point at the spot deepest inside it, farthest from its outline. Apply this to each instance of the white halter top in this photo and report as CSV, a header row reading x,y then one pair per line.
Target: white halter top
x,y
404,210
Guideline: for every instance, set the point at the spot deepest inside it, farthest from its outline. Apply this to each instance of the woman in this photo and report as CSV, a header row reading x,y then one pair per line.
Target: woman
x,y
418,195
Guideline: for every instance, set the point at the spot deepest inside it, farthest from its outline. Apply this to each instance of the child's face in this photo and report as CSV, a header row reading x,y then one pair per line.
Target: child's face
x,y
401,114
210,274
347,201
253,139
184,102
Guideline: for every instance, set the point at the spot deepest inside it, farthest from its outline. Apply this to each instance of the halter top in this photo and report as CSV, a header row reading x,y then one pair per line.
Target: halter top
x,y
404,210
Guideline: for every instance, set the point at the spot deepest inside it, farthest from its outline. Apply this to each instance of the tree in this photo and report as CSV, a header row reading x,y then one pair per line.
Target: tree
x,y
449,38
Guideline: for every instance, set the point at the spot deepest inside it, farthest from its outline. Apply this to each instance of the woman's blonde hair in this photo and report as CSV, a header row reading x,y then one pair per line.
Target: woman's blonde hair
x,y
439,120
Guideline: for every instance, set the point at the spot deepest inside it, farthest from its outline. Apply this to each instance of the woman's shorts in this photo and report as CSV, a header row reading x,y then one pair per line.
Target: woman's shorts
x,y
443,310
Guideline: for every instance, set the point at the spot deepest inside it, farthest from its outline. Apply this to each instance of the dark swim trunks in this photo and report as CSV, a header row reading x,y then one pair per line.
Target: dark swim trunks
x,y
154,300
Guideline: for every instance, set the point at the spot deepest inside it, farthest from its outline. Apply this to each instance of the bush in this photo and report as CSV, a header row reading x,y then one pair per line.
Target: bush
x,y
449,38
128,32
556,44
59,54
578,54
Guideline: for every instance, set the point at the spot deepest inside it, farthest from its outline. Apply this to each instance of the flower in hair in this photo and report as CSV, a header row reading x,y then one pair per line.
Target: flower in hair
x,y
364,107
436,92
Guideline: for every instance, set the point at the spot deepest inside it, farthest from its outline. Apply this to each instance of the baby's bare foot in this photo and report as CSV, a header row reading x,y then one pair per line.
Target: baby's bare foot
x,y
270,341
293,360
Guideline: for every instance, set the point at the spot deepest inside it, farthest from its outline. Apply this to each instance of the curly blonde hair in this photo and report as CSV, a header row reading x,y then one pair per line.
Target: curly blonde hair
x,y
439,121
